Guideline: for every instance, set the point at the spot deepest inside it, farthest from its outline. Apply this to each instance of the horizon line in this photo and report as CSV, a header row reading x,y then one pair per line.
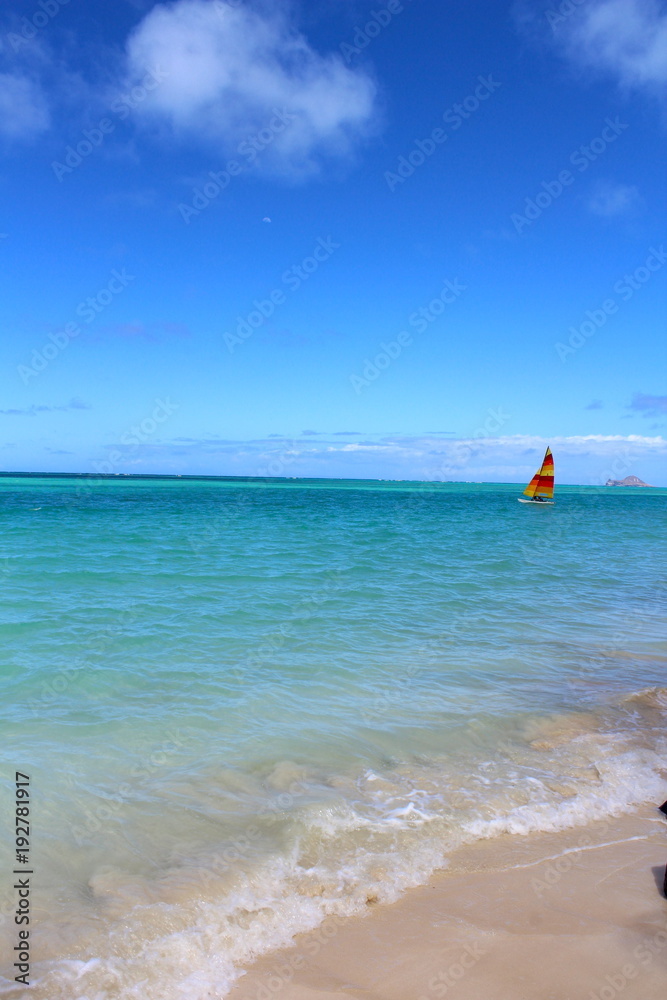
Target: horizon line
x,y
285,479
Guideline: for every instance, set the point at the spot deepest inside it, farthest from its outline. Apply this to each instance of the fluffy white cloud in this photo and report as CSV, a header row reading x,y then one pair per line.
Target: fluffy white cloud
x,y
23,108
224,71
627,38
624,39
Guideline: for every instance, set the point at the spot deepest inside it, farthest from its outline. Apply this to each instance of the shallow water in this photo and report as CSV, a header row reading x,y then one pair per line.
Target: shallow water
x,y
246,705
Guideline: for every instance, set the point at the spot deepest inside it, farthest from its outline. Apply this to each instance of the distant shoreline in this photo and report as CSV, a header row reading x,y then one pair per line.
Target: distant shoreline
x,y
118,476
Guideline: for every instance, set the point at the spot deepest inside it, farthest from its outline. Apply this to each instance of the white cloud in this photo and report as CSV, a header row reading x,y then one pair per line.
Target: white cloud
x,y
627,38
579,458
591,458
226,69
576,444
588,459
624,39
23,108
609,200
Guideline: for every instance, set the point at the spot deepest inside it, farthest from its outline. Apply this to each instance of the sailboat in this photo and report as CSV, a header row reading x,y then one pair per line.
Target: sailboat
x,y
541,487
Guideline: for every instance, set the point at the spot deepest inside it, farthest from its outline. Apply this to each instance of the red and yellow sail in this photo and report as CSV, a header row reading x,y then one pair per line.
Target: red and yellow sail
x,y
542,483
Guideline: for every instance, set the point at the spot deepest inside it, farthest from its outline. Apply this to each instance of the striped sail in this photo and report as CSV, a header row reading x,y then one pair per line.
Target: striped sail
x,y
542,483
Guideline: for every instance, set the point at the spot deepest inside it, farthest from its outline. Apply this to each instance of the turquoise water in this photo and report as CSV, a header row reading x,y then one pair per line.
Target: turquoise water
x,y
247,705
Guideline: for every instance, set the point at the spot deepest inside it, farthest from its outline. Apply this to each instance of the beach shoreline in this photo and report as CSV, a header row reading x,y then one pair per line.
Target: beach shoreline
x,y
576,913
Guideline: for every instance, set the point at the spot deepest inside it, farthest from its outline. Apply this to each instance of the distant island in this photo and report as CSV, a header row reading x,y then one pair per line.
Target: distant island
x,y
628,481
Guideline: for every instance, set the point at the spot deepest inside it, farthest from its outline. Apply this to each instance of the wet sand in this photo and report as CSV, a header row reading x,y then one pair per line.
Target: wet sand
x,y
558,916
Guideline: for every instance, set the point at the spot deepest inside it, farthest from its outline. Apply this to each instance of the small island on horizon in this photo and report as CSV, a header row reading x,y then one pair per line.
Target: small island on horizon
x,y
628,481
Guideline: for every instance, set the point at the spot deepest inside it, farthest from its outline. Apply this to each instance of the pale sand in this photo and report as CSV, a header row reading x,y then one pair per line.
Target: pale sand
x,y
501,923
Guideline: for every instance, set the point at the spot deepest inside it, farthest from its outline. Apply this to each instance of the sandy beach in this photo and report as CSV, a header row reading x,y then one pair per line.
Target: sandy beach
x,y
559,916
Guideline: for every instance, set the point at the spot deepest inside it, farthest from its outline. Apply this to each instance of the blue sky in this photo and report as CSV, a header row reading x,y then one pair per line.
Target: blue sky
x,y
392,240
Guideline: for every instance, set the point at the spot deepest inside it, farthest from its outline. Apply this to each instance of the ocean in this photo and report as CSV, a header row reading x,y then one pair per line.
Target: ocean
x,y
245,706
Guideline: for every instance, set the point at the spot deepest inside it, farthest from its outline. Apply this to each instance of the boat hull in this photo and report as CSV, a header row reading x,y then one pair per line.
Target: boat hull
x,y
538,503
